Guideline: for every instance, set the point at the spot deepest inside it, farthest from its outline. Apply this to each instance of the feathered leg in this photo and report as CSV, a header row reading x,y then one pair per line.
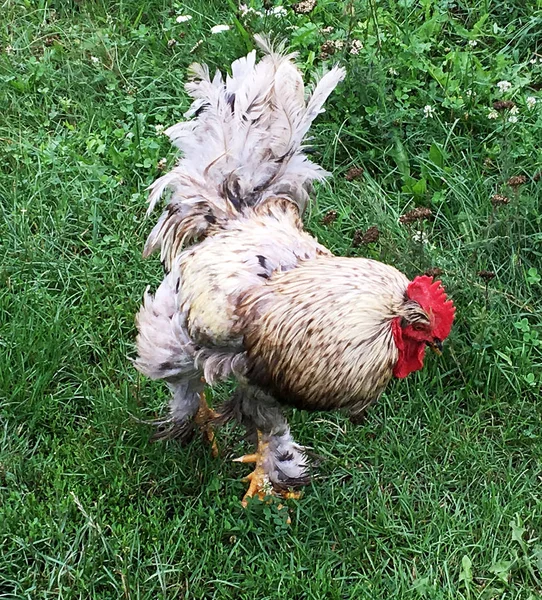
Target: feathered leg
x,y
165,351
183,407
280,463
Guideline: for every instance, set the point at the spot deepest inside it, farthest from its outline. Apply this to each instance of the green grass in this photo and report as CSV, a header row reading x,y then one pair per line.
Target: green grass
x,y
438,494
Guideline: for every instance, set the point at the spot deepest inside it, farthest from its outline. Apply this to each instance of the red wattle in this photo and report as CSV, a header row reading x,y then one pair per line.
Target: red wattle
x,y
411,352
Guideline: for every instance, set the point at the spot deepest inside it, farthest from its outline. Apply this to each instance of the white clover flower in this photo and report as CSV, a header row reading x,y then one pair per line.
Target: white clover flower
x,y
392,71
267,486
493,114
277,11
94,60
355,47
504,86
533,61
328,29
473,43
161,164
183,18
470,93
220,28
513,119
9,49
159,128
428,111
339,44
514,110
420,237
531,102
248,10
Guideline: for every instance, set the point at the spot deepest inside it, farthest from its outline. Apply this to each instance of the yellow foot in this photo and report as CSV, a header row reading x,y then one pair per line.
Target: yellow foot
x,y
290,494
259,483
203,419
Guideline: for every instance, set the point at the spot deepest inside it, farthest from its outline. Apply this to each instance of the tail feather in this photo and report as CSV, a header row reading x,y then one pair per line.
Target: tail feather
x,y
243,144
321,92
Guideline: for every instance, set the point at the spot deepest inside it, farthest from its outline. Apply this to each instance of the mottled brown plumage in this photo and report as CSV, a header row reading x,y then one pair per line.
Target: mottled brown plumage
x,y
248,292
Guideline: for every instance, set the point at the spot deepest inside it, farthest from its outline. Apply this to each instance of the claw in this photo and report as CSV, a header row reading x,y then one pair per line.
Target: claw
x,y
259,483
203,419
291,494
247,458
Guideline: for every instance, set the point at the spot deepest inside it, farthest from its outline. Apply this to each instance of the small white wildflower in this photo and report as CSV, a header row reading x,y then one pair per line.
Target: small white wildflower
x,y
171,43
493,114
183,18
513,119
392,71
248,10
304,7
9,49
94,59
161,164
473,43
339,44
220,28
514,110
531,102
428,111
159,128
23,210
277,11
533,61
267,486
355,47
328,29
470,93
504,86
420,237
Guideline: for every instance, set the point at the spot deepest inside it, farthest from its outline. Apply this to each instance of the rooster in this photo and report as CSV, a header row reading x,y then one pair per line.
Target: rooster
x,y
249,293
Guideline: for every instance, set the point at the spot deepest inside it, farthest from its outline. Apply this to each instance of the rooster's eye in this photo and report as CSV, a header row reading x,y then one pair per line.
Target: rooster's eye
x,y
419,327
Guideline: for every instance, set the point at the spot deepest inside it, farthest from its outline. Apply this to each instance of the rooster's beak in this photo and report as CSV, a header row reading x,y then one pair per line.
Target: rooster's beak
x,y
436,346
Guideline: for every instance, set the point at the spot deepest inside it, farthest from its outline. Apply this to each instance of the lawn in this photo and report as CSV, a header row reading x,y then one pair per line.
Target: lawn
x,y
438,493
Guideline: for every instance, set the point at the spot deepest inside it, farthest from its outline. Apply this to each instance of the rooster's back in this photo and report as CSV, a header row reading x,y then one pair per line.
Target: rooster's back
x,y
233,217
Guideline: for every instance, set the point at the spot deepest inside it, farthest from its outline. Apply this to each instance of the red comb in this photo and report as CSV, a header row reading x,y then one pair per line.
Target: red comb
x,y
430,295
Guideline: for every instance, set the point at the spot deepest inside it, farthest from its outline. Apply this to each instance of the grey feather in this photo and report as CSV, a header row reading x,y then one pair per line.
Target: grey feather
x,y
243,145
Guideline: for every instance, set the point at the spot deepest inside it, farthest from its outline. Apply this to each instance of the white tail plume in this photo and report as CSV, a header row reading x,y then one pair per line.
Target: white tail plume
x,y
243,144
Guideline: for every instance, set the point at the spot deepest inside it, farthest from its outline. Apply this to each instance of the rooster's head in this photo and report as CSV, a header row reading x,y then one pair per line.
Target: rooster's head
x,y
427,321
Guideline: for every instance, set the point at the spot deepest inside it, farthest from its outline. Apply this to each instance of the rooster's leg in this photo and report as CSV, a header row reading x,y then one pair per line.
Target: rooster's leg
x,y
280,463
259,483
183,406
203,419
